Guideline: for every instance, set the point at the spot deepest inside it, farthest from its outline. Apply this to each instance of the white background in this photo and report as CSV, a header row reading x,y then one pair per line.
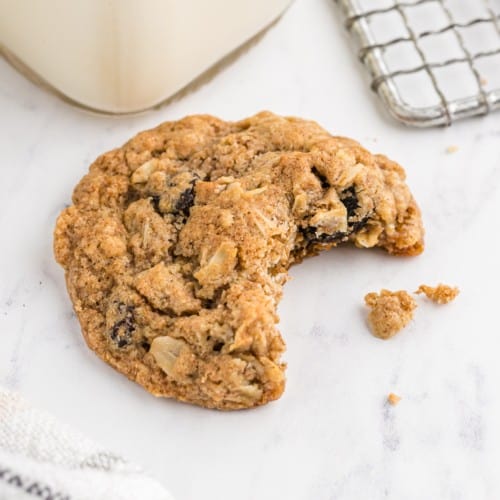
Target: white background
x,y
331,436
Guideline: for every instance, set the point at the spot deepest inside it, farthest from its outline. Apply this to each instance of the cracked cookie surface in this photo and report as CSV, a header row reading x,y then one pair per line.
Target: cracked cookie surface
x,y
177,246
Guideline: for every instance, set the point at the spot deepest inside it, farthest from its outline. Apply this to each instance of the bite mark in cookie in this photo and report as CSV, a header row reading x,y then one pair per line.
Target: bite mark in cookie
x,y
177,246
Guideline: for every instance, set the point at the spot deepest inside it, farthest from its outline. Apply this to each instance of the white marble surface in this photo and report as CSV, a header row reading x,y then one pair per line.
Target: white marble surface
x,y
330,436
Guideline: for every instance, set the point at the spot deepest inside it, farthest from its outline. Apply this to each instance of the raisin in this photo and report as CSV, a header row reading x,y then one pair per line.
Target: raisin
x,y
322,179
350,200
208,304
360,224
308,232
156,153
122,331
311,237
155,200
130,196
186,201
218,346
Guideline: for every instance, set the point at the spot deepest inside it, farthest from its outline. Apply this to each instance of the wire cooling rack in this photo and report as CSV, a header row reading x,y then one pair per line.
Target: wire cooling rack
x,y
432,61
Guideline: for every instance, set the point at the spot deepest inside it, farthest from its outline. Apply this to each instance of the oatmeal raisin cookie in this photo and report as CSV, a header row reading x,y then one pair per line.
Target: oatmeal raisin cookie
x,y
177,246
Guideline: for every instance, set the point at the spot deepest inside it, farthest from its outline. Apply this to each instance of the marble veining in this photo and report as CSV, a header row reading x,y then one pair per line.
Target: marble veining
x,y
332,436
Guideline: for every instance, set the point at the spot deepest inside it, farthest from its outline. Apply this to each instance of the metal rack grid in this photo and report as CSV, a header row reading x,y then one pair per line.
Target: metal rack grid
x,y
441,108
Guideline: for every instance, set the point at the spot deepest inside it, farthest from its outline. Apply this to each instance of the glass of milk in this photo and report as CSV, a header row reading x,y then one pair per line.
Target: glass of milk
x,y
122,56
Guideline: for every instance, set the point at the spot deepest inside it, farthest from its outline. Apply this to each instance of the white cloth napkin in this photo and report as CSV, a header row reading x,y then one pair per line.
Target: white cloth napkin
x,y
40,458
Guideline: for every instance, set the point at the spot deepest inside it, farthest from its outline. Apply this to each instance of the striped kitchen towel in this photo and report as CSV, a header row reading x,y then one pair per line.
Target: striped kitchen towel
x,y
40,458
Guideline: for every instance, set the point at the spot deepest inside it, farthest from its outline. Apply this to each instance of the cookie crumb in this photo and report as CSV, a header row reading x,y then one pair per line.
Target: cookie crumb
x,y
393,399
451,149
440,294
390,312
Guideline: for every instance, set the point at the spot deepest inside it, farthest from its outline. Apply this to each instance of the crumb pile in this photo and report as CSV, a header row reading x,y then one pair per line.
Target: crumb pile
x,y
390,311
